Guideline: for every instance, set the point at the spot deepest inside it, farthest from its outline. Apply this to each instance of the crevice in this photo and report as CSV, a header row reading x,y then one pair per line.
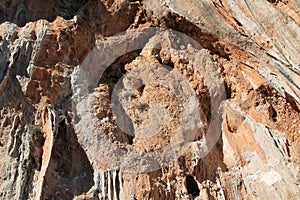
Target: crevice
x,y
273,113
238,22
228,90
275,2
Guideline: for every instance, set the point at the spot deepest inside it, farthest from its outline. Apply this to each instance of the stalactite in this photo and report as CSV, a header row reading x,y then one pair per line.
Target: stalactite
x,y
97,181
220,195
109,185
115,176
121,196
103,190
235,190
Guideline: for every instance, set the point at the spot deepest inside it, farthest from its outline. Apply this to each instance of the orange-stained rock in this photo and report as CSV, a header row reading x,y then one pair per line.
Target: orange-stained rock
x,y
152,99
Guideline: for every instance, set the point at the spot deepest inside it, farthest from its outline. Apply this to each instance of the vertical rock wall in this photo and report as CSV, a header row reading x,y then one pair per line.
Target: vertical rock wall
x,y
141,139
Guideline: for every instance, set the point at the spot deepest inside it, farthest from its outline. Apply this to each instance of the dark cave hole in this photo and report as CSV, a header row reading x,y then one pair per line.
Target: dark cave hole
x,y
192,186
141,89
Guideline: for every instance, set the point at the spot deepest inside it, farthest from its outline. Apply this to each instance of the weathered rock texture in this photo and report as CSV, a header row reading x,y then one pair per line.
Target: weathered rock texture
x,y
250,48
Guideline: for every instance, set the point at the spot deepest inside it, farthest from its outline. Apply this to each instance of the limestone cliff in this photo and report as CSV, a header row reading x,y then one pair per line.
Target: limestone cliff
x,y
152,99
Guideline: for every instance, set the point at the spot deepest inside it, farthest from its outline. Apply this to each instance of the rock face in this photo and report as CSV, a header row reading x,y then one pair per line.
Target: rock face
x,y
153,99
